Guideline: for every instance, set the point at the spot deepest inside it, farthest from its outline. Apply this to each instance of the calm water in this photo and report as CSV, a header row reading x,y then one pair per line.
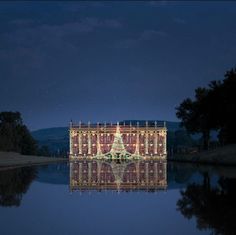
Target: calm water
x,y
112,198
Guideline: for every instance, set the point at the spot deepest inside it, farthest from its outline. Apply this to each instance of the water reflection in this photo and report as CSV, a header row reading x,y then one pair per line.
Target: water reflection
x,y
213,206
200,199
149,175
14,184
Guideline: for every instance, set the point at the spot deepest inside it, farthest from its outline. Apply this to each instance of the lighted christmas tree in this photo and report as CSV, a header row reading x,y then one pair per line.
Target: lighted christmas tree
x,y
118,145
118,148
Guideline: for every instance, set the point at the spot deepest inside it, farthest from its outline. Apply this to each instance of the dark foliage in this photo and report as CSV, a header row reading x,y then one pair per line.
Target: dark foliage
x,y
214,108
14,135
43,151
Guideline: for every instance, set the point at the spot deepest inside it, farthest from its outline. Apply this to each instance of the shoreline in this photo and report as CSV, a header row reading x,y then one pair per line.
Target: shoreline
x,y
224,156
221,156
10,160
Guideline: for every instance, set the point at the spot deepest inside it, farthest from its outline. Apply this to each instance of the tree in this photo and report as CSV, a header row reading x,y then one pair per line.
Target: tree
x,y
14,136
195,115
228,108
214,108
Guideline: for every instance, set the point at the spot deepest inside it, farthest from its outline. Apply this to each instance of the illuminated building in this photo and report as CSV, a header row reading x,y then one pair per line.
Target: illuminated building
x,y
118,141
136,175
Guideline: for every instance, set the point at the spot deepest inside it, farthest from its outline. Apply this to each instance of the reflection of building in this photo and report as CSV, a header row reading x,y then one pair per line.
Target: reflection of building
x,y
149,175
118,141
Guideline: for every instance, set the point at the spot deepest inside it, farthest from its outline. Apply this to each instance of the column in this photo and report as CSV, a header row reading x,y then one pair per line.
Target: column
x,y
71,142
89,143
99,152
80,143
146,143
164,142
137,144
155,143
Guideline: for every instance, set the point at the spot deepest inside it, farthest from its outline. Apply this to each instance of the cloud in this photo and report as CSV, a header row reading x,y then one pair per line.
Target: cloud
x,y
150,34
83,26
179,21
32,44
26,28
78,6
146,35
22,22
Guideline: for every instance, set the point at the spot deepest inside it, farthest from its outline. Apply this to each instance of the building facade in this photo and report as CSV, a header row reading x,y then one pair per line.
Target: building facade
x,y
118,141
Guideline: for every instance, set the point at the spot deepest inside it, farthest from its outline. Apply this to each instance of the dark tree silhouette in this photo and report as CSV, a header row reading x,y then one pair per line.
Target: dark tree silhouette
x,y
214,108
14,135
195,115
227,115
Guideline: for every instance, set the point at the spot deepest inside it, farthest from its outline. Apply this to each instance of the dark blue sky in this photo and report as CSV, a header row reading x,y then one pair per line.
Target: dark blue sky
x,y
109,61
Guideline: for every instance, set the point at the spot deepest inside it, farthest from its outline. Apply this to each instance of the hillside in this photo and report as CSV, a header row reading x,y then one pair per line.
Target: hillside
x,y
56,139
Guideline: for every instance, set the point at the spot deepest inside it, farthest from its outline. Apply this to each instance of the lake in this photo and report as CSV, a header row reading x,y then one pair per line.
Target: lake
x,y
130,197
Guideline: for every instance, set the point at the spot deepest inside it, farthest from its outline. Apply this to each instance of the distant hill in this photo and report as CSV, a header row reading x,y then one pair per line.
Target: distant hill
x,y
57,138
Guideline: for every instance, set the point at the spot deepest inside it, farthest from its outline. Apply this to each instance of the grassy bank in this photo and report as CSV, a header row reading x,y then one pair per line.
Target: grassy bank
x,y
220,156
11,159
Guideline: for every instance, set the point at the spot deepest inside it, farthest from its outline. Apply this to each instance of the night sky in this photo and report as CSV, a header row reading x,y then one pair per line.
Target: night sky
x,y
109,61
